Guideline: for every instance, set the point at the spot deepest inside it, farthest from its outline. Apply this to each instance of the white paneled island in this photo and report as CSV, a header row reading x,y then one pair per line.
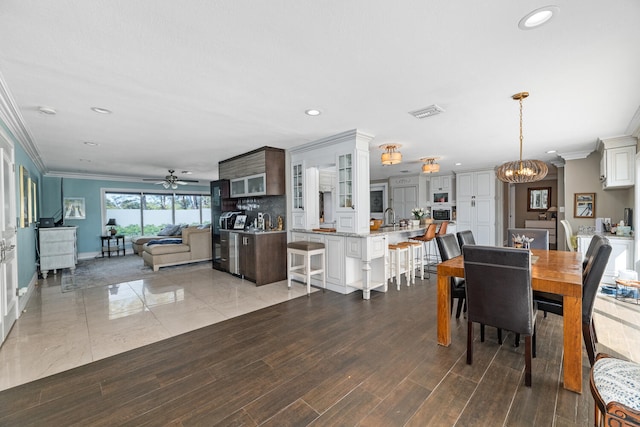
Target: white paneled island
x,y
356,261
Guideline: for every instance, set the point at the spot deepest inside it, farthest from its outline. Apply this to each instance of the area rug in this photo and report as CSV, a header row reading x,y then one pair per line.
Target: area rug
x,y
95,272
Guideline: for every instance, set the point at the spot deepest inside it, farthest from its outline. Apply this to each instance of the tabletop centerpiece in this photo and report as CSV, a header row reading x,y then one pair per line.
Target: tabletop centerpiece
x,y
419,215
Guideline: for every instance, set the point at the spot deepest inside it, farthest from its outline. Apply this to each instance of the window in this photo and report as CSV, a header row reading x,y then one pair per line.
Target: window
x,y
138,213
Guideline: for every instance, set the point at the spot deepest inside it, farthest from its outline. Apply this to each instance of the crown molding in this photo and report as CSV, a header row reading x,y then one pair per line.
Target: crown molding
x,y
11,117
634,125
575,155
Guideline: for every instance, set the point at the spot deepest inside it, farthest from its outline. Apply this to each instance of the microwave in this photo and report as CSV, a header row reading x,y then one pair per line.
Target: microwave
x,y
442,197
441,214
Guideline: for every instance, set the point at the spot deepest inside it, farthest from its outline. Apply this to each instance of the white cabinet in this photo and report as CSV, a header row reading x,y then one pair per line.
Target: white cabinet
x,y
476,205
621,257
548,225
442,189
617,162
404,195
57,249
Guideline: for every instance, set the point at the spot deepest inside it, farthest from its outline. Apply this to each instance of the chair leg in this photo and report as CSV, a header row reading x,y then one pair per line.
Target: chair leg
x,y
516,342
482,332
459,309
593,331
527,361
533,340
589,343
499,336
469,343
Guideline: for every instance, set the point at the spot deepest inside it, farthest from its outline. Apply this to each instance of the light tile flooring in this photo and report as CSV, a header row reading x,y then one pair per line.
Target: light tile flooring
x,y
59,331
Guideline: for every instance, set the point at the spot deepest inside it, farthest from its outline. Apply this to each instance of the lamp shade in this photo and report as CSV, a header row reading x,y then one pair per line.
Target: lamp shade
x,y
391,156
112,221
552,209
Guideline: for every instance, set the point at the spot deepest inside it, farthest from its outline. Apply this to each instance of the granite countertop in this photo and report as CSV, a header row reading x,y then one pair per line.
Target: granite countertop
x,y
257,231
380,232
608,235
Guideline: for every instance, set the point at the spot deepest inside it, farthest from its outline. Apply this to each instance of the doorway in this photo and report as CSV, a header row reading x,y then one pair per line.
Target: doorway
x,y
8,239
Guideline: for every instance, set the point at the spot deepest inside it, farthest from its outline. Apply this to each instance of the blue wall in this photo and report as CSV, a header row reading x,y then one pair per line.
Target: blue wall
x,y
92,227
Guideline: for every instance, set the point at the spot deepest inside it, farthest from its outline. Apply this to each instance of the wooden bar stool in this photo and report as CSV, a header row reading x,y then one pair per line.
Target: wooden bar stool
x,y
417,258
427,239
305,270
399,263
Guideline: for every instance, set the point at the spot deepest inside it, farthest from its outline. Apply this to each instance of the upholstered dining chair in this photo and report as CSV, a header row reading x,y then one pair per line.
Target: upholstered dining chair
x,y
499,293
540,237
614,385
465,238
427,239
591,278
448,248
572,242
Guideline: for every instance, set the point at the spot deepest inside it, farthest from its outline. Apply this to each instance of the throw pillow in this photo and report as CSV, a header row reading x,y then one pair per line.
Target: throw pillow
x,y
169,230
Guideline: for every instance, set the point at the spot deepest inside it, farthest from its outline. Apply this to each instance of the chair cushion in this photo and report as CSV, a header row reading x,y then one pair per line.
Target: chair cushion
x,y
618,381
305,246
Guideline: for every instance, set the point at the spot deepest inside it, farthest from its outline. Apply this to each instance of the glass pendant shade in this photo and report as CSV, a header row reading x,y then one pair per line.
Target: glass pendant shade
x,y
522,171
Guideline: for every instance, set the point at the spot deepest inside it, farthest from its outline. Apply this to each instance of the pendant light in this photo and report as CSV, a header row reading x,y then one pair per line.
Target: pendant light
x,y
430,165
521,171
391,156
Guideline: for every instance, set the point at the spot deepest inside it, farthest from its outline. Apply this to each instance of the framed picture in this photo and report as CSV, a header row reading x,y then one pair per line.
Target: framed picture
x,y
25,191
378,200
240,222
539,199
34,201
74,208
585,205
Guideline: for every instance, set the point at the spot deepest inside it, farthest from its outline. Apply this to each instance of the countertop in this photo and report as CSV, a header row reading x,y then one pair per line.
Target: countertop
x,y
255,231
380,232
605,234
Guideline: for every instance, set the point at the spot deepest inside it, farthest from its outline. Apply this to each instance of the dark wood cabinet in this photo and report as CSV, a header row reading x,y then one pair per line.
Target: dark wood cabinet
x,y
263,257
269,161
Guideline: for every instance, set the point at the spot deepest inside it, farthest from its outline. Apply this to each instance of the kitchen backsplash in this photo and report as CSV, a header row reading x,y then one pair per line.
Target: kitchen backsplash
x,y
272,205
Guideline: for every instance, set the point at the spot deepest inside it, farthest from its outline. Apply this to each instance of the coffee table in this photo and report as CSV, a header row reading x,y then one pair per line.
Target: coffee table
x,y
622,284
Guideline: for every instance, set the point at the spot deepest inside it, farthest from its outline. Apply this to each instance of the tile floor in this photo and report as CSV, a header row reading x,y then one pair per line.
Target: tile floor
x,y
59,331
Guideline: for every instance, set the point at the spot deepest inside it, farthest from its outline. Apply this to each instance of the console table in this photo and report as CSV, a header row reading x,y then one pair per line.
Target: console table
x,y
113,243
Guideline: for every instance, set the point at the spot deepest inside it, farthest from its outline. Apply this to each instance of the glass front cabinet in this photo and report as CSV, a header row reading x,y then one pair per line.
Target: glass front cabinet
x,y
254,185
345,181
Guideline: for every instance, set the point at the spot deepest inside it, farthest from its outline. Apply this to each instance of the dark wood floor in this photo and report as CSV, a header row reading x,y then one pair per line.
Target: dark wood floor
x,y
329,359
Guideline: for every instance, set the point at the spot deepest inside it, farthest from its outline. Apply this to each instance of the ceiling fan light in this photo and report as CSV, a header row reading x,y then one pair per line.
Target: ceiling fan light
x,y
165,184
174,185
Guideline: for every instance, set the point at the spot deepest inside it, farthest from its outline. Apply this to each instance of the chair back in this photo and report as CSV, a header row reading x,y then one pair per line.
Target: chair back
x,y
592,276
448,248
540,237
465,238
498,283
593,245
443,228
429,234
568,232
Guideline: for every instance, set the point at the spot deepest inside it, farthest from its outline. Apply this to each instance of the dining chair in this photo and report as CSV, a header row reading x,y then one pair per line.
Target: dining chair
x,y
591,278
427,239
499,293
572,242
443,228
448,248
614,385
465,238
540,237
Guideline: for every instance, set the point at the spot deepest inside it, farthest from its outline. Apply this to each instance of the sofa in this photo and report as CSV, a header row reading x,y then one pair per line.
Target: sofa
x,y
195,247
172,230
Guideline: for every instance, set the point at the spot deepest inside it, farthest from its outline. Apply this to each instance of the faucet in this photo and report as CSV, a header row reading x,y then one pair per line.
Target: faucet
x,y
266,225
393,217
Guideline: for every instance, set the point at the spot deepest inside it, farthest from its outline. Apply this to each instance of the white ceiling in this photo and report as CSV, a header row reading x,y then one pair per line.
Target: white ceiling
x,y
191,83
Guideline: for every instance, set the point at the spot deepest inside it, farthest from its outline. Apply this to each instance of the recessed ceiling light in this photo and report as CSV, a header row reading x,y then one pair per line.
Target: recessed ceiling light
x,y
538,17
101,110
47,110
91,144
458,164
551,151
313,112
429,111
187,172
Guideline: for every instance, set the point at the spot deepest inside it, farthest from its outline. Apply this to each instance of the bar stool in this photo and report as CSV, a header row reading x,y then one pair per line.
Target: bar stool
x,y
416,253
426,239
305,270
399,263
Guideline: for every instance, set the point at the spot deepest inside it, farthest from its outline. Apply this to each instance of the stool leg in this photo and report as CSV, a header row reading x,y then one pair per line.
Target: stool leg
x,y
409,265
421,262
324,277
307,269
289,264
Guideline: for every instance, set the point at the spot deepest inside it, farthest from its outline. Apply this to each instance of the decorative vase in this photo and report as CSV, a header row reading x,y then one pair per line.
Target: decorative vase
x,y
426,221
415,223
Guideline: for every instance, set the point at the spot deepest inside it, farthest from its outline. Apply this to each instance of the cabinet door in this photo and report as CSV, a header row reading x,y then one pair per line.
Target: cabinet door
x,y
345,181
403,200
247,256
620,169
238,187
297,187
224,250
335,257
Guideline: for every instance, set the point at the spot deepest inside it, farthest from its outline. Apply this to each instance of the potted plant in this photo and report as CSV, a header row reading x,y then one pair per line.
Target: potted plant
x,y
418,215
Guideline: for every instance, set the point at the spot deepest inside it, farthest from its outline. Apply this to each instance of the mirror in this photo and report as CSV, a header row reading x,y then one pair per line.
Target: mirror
x,y
539,199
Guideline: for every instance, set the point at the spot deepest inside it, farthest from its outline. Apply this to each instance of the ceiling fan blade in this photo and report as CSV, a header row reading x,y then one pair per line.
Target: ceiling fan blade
x,y
185,181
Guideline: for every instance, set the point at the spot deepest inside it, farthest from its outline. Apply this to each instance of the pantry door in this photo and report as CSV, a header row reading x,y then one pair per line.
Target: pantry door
x,y
8,260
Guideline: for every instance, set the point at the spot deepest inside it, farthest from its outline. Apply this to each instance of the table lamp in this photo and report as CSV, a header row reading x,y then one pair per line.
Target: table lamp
x,y
553,211
112,224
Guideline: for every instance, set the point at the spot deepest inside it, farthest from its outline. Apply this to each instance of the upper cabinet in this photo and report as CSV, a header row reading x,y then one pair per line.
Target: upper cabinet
x,y
442,189
617,162
256,173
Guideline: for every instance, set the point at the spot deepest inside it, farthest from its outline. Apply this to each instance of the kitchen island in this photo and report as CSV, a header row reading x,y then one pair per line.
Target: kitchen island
x,y
622,253
356,261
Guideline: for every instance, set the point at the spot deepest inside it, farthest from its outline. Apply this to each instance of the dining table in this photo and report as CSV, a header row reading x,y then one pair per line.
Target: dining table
x,y
557,272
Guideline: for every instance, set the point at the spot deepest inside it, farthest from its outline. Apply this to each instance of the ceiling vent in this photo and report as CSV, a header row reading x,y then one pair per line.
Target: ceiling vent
x,y
431,110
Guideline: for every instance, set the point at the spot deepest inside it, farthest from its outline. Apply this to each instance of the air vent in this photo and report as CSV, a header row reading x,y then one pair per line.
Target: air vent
x,y
431,110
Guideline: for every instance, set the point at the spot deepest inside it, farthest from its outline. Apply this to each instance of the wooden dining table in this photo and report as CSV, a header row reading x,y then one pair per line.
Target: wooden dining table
x,y
557,272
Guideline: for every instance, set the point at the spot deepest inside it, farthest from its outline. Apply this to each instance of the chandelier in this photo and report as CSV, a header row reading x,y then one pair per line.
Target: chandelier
x,y
391,156
430,165
520,171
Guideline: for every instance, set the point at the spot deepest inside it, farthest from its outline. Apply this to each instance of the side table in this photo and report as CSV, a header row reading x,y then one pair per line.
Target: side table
x,y
112,244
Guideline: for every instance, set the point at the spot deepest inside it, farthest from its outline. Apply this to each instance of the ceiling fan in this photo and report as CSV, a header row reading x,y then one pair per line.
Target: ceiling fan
x,y
171,181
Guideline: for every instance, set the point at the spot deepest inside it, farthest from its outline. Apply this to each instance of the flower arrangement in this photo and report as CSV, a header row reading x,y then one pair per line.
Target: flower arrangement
x,y
521,241
419,213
